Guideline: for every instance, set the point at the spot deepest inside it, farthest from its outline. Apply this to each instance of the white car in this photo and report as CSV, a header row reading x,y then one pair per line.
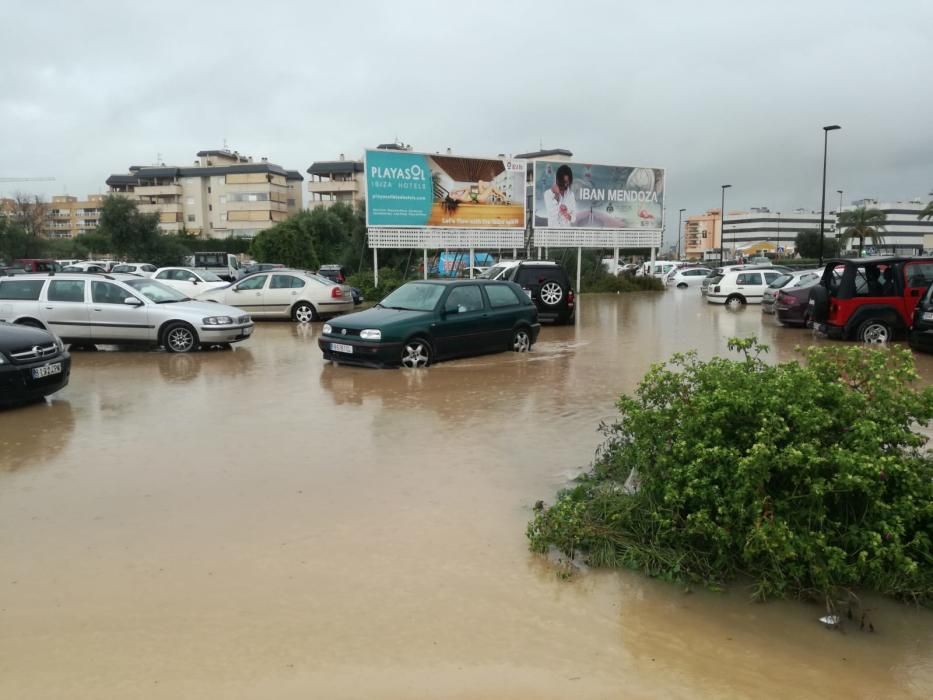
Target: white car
x,y
283,293
741,287
789,280
661,268
140,269
687,277
191,283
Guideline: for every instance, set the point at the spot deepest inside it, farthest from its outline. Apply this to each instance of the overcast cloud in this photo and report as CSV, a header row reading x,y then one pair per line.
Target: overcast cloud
x,y
714,92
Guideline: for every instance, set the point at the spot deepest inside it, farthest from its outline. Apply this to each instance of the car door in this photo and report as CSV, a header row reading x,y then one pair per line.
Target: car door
x,y
112,319
504,308
249,295
19,298
917,277
463,322
749,284
176,279
283,292
66,310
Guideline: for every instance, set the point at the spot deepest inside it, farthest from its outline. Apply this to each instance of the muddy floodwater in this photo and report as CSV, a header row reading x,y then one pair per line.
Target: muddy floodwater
x,y
259,524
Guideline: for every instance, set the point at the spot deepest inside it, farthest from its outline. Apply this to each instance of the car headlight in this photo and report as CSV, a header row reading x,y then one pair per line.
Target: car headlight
x,y
59,344
371,334
328,328
217,321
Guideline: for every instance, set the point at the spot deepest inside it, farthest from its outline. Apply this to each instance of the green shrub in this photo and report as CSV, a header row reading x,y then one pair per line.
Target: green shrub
x,y
808,478
622,283
390,279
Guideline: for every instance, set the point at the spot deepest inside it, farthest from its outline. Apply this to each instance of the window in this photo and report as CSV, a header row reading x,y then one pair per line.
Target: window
x,y
771,276
919,274
748,278
190,219
286,282
501,295
24,290
291,202
108,293
256,282
464,299
210,207
66,290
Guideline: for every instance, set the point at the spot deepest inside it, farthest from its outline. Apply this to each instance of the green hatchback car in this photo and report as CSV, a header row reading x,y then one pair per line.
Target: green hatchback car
x,y
421,322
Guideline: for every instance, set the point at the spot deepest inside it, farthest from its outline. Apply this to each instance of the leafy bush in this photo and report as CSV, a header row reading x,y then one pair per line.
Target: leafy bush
x,y
808,478
622,283
390,279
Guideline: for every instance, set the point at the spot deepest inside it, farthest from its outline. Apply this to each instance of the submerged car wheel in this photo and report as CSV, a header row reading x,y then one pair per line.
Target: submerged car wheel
x,y
734,301
874,331
180,337
521,340
551,293
416,353
304,312
682,285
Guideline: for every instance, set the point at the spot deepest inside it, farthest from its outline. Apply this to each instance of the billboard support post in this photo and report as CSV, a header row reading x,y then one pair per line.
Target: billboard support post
x,y
652,259
472,260
375,267
579,265
615,261
425,263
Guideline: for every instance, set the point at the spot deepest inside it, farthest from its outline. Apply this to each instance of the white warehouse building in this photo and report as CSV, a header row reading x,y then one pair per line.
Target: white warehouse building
x,y
763,230
903,233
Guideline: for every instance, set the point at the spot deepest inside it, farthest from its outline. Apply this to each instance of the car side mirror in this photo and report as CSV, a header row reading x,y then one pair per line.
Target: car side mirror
x,y
193,280
132,301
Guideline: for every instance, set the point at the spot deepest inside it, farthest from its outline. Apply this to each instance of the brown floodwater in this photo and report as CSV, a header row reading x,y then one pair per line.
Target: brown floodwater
x,y
259,524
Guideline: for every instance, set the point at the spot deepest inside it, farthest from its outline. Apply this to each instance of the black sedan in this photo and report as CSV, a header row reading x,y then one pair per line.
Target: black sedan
x,y
33,364
921,327
793,306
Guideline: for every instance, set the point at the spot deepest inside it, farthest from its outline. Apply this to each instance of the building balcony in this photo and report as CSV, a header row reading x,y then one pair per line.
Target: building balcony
x,y
158,190
334,186
166,208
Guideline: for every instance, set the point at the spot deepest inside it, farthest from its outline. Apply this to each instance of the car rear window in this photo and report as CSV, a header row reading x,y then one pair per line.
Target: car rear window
x,y
780,281
21,290
534,275
502,295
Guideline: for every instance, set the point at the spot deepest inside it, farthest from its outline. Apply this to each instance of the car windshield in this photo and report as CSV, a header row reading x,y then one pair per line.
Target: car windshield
x,y
156,291
780,281
414,296
493,272
209,276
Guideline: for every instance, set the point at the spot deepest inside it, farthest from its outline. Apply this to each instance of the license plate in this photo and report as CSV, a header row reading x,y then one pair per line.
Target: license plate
x,y
340,347
47,371
927,316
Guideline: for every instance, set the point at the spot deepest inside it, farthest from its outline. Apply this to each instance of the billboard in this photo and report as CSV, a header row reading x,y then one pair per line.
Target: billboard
x,y
443,191
604,197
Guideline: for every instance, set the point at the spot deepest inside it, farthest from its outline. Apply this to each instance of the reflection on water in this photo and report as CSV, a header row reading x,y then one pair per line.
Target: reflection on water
x,y
259,523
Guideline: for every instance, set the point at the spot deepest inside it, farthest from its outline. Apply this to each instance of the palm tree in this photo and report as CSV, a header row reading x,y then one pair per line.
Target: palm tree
x,y
927,212
862,223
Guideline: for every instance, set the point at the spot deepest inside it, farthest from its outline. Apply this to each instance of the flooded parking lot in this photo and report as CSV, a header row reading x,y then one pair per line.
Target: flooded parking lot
x,y
260,524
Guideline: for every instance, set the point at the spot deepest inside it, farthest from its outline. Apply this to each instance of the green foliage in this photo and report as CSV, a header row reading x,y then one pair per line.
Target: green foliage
x,y
15,242
133,236
390,279
290,242
863,224
808,478
927,212
807,244
621,283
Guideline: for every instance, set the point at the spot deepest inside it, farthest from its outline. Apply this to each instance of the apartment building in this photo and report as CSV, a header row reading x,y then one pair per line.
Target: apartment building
x,y
701,234
761,230
335,181
222,194
67,216
904,233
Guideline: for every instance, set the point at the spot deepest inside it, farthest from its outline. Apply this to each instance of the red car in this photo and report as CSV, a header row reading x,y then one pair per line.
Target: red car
x,y
869,299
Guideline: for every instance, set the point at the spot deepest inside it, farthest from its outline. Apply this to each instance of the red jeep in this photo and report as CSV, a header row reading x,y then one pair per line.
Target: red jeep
x,y
869,299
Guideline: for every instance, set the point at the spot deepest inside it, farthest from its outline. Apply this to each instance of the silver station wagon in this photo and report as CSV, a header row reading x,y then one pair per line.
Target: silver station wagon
x,y
91,309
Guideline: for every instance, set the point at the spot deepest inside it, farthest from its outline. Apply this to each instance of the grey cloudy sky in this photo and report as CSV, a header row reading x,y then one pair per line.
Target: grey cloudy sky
x,y
716,92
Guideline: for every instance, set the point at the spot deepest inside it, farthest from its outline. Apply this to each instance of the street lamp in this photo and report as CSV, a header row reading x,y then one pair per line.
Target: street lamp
x,y
826,130
680,217
722,224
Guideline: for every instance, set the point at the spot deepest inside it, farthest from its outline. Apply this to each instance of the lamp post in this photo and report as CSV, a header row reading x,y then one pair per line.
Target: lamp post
x,y
722,224
680,217
826,130
777,248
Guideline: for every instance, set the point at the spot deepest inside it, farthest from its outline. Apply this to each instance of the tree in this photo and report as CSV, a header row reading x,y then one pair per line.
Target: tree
x,y
289,242
807,244
132,235
29,211
927,212
862,223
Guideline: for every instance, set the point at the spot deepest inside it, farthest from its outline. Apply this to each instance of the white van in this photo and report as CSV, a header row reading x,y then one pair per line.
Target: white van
x,y
661,268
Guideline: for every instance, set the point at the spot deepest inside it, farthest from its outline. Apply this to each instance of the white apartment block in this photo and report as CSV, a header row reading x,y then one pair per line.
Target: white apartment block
x,y
335,181
222,194
773,231
904,233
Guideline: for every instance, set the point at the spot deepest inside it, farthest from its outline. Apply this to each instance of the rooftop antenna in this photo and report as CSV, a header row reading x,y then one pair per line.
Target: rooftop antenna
x,y
226,147
158,157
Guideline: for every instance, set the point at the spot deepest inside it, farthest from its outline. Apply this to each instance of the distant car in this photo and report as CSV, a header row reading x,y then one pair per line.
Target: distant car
x,y
687,277
741,287
97,269
191,283
33,364
792,306
787,281
421,322
140,269
300,296
339,275
90,266
545,282
98,309
477,271
921,330
37,264
260,267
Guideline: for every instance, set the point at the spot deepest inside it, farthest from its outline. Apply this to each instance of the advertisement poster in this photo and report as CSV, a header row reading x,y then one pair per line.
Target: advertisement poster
x,y
443,191
605,197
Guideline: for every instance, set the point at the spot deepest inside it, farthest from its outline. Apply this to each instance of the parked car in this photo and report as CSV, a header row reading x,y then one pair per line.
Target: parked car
x,y
661,268
717,274
191,283
85,267
869,299
260,267
741,287
140,269
33,364
787,281
8,271
91,309
37,264
687,277
544,281
339,275
421,322
89,266
300,296
792,306
921,329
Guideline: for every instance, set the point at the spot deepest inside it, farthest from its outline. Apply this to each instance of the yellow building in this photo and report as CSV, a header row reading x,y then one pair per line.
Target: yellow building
x,y
702,233
222,194
67,216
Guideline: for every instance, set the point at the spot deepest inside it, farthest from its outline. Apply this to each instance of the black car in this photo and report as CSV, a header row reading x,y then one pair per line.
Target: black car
x,y
921,327
549,288
33,364
792,306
